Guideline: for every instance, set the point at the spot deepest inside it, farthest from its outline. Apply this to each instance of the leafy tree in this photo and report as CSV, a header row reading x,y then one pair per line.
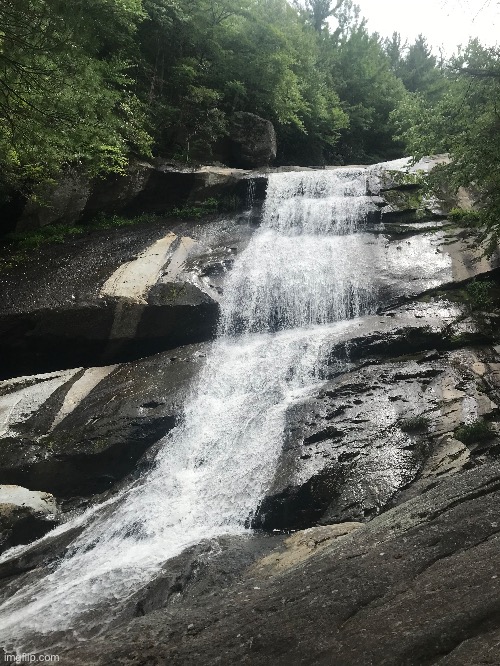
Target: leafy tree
x,y
66,88
91,82
319,11
465,122
395,50
226,55
419,71
369,91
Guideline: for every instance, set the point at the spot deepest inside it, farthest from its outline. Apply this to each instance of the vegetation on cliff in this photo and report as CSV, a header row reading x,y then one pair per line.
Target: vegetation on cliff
x,y
463,119
92,82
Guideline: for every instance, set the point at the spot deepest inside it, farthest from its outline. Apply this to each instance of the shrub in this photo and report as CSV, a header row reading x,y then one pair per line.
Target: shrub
x,y
415,424
467,218
479,293
203,208
474,433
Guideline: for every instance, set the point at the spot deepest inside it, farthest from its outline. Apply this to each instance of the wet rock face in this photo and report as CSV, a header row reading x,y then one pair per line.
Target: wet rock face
x,y
25,515
115,296
364,436
77,432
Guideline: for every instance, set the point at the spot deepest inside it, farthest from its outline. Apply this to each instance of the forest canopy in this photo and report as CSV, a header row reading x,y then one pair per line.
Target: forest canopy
x,y
91,83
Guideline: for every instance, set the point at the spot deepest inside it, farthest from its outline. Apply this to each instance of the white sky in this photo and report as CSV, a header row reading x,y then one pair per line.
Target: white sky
x,y
445,23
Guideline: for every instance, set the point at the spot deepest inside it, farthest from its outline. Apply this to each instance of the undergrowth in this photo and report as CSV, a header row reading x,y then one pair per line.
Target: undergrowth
x,y
18,246
415,424
480,294
474,433
467,218
199,210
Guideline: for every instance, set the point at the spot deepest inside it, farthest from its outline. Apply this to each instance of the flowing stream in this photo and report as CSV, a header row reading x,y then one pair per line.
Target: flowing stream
x,y
305,268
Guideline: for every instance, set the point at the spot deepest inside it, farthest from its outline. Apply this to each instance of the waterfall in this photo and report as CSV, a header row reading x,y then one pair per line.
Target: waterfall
x,y
304,269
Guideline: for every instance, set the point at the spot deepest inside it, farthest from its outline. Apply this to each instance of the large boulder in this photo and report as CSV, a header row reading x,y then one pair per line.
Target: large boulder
x,y
253,140
25,515
117,192
63,202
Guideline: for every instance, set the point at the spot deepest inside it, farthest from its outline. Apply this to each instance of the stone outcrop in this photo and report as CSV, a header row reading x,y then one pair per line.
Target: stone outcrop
x,y
116,295
253,140
118,192
144,187
25,515
65,202
78,432
403,197
417,585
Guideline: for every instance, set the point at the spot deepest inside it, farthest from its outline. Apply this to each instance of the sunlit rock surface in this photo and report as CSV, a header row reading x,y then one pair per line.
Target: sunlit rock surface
x,y
25,515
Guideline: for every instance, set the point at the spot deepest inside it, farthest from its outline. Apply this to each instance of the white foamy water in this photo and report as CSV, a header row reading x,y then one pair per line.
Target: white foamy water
x,y
305,268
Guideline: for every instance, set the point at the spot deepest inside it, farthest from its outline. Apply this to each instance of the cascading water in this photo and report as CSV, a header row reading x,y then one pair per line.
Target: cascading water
x,y
304,269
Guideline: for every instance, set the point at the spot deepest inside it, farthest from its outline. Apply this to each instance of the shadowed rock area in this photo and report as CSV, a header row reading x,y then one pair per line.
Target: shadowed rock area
x,y
78,432
417,585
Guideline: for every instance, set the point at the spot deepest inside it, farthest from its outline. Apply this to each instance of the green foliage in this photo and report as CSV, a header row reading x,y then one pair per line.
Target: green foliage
x,y
104,221
65,88
369,92
466,218
87,84
34,239
415,424
475,433
207,207
417,68
479,293
463,121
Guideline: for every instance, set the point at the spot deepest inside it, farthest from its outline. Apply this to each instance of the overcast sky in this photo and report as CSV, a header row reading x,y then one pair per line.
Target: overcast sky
x,y
445,23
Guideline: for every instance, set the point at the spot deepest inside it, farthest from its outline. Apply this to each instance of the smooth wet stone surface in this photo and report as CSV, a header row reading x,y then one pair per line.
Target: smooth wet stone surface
x,y
353,443
80,431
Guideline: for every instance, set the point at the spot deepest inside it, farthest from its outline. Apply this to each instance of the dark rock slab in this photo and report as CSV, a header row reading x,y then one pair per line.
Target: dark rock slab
x,y
418,585
115,295
78,432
